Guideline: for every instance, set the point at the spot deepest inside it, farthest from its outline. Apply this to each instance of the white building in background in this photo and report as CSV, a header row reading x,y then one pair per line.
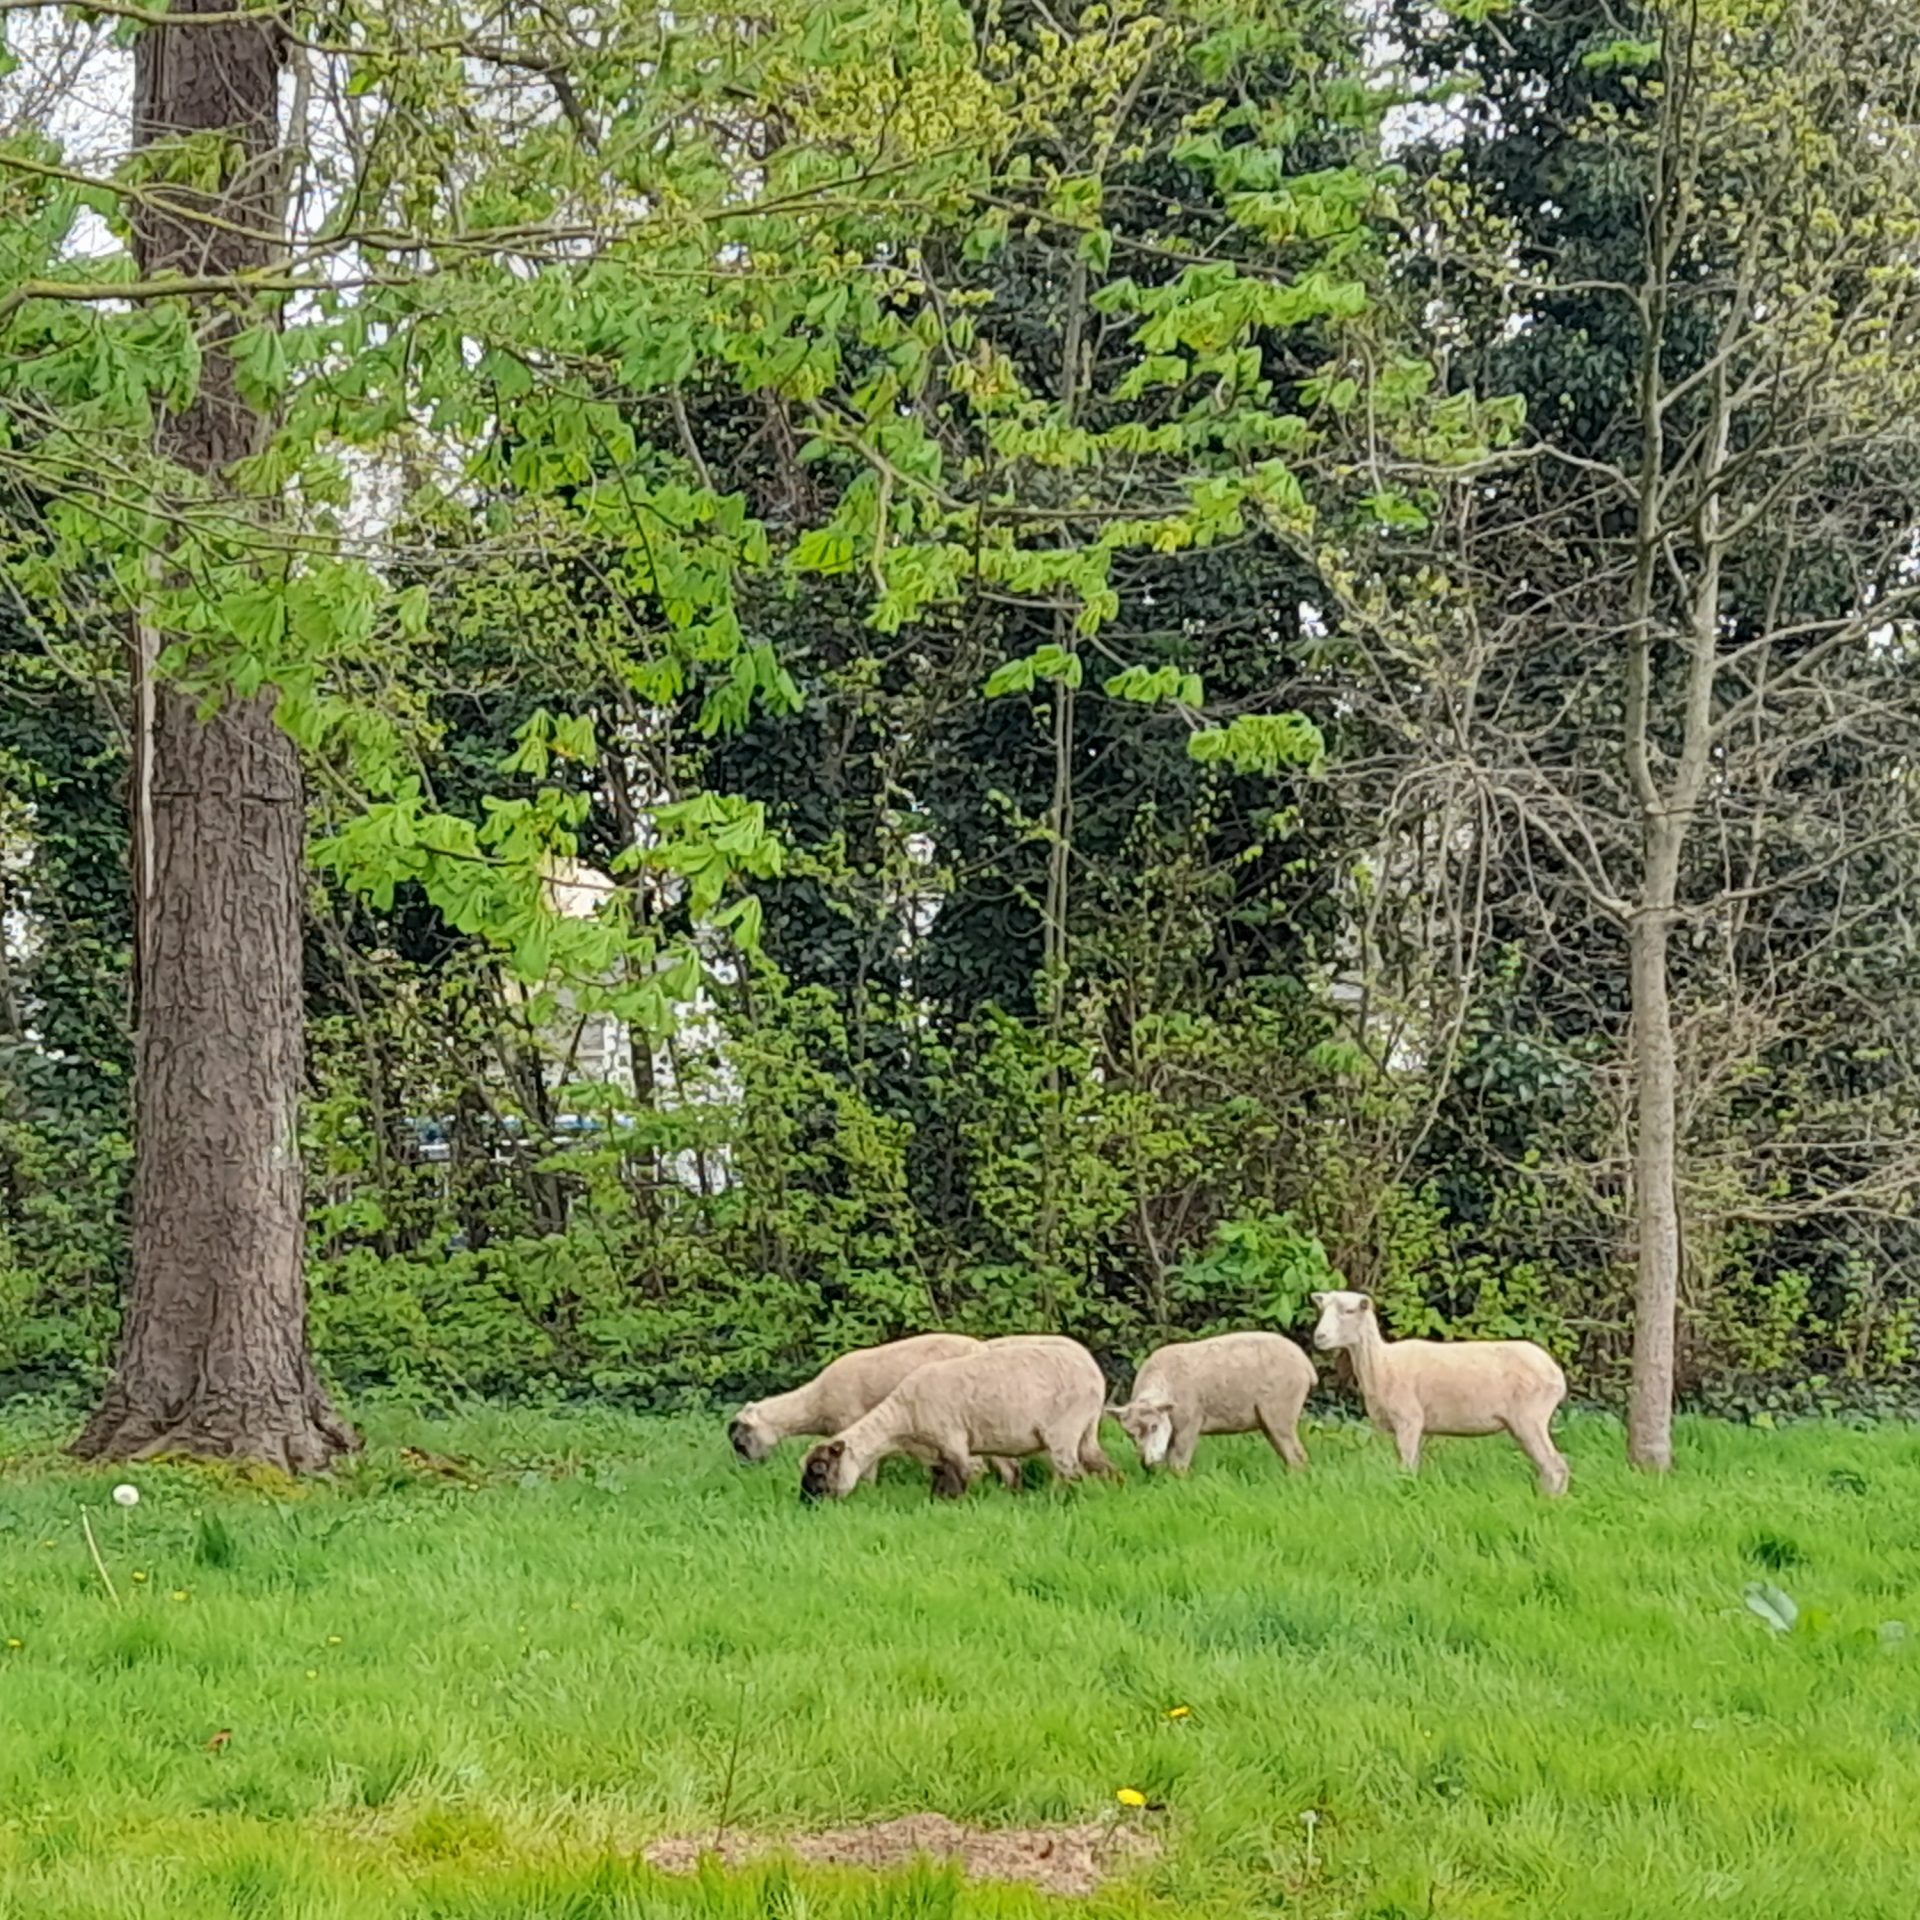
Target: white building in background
x,y
595,1047
584,1046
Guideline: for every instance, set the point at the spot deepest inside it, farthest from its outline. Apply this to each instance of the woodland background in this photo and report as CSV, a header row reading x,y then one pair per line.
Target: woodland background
x,y
1093,672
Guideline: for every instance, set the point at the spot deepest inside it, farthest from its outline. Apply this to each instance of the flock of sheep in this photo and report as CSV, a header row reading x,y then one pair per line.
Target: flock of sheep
x,y
957,1404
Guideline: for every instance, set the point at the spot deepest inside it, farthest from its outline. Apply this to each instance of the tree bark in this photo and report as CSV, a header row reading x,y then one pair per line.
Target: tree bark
x,y
213,1353
1656,1301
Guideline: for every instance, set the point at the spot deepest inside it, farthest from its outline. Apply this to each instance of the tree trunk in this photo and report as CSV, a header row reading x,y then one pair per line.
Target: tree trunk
x,y
1657,1285
213,1353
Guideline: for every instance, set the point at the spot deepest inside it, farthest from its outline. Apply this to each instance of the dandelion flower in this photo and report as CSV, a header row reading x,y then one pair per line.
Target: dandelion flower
x,y
333,1639
1179,1713
1131,1797
139,1579
14,1646
313,1673
179,1593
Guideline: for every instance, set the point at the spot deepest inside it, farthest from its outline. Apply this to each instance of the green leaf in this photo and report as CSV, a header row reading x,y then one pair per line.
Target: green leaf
x,y
1622,56
411,609
260,364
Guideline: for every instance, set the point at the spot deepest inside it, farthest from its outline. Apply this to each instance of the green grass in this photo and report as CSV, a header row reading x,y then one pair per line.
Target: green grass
x,y
475,1703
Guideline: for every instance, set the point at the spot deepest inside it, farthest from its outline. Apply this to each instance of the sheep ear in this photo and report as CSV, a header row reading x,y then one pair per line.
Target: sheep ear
x,y
834,1449
1319,1299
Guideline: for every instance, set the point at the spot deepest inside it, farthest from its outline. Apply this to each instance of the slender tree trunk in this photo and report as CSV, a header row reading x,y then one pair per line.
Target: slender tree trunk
x,y
213,1355
1656,1301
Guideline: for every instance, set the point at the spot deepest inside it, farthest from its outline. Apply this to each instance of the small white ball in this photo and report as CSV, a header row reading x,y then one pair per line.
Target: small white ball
x,y
126,1496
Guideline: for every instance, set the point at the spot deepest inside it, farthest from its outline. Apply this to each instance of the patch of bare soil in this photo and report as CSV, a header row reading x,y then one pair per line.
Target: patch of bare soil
x,y
1069,1860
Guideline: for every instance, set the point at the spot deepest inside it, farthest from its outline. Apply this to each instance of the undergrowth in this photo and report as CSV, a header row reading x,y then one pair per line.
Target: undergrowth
x,y
474,1680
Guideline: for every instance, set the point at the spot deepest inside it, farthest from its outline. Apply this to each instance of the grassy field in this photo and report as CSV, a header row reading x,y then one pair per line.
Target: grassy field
x,y
406,1696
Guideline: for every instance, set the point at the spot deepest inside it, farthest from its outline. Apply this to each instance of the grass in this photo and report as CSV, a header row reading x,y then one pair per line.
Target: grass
x,y
477,1702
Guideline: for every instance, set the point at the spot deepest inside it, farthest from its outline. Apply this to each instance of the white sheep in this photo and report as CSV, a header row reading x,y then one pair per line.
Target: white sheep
x,y
1029,1393
1416,1387
1232,1383
841,1392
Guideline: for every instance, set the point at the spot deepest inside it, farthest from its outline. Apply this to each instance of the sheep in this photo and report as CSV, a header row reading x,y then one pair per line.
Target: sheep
x,y
1029,1393
841,1392
1233,1383
1416,1387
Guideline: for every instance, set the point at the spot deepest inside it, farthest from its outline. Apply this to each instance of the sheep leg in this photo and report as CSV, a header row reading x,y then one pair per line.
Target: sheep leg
x,y
1284,1434
1010,1476
1536,1439
1180,1450
1407,1437
953,1474
1093,1456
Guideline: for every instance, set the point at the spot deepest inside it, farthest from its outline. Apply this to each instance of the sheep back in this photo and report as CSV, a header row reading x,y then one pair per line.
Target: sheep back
x,y
849,1388
1475,1386
1014,1396
1224,1382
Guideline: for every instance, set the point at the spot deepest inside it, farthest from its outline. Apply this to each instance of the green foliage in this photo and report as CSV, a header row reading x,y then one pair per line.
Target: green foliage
x,y
1255,1270
956,580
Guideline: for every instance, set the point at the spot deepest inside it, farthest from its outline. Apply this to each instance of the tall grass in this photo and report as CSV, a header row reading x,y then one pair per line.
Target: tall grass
x,y
1438,1697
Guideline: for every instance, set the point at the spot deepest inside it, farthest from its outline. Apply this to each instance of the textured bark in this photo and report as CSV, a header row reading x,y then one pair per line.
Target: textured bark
x,y
1656,1302
1657,1282
213,1356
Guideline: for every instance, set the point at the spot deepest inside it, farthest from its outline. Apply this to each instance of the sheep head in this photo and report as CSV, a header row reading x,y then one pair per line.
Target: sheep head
x,y
1346,1320
749,1437
1149,1425
827,1473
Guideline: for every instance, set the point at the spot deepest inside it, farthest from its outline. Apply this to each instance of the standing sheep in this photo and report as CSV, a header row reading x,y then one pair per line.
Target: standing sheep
x,y
841,1392
1416,1387
1233,1383
1030,1393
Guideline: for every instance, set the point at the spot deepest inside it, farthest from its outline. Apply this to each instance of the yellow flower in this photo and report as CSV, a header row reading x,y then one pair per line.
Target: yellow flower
x,y
14,1646
333,1639
139,1579
313,1673
1179,1713
179,1593
1131,1797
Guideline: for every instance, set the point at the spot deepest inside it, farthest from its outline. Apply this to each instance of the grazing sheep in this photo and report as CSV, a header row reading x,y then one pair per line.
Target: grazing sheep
x,y
1233,1383
841,1392
1416,1387
1030,1393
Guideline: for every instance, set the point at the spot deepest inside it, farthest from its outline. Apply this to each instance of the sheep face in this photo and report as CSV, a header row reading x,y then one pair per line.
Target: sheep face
x,y
1149,1425
1344,1320
749,1437
827,1473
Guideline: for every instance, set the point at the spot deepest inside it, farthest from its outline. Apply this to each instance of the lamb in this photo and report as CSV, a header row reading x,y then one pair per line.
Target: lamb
x,y
1029,1393
842,1392
1416,1387
1233,1383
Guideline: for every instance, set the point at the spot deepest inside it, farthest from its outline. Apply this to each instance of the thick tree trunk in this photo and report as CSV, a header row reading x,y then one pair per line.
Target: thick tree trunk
x,y
1656,1150
213,1355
